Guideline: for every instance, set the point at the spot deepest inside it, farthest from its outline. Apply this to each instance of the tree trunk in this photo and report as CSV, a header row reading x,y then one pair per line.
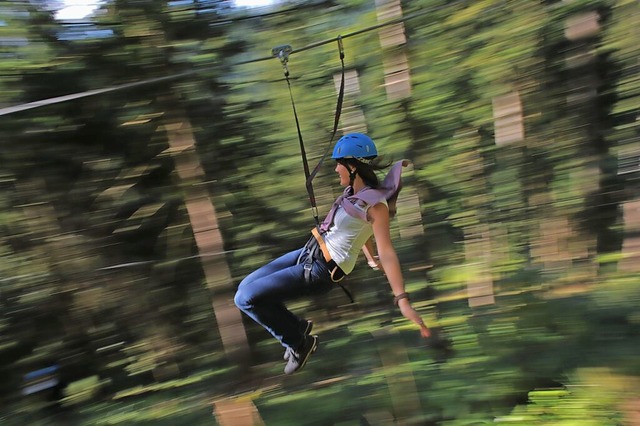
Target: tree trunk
x,y
204,223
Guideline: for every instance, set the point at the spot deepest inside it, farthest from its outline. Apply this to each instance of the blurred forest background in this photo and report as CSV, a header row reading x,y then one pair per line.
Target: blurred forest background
x,y
131,211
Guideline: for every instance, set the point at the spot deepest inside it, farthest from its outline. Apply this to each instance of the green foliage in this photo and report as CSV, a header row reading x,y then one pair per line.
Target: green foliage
x,y
594,396
82,391
99,269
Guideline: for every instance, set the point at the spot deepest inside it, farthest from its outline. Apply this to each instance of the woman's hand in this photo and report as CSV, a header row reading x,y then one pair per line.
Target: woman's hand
x,y
409,313
375,264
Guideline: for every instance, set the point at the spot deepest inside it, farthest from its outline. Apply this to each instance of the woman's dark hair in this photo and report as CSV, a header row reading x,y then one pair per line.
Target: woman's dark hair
x,y
367,171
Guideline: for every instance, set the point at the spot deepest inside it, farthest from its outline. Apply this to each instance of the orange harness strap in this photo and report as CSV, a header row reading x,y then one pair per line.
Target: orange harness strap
x,y
321,243
336,273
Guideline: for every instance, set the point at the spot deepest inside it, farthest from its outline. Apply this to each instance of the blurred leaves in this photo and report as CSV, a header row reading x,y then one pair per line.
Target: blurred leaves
x,y
100,272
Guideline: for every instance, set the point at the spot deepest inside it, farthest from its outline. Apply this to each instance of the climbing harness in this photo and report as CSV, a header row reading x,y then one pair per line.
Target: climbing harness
x,y
315,248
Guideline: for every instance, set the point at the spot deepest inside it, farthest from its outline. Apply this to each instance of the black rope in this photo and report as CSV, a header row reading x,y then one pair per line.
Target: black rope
x,y
337,114
282,52
303,153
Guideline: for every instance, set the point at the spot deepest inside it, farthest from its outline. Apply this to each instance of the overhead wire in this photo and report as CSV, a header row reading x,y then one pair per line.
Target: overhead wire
x,y
59,99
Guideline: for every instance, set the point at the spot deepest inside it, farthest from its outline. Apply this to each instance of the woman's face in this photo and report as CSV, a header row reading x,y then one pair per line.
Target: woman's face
x,y
343,172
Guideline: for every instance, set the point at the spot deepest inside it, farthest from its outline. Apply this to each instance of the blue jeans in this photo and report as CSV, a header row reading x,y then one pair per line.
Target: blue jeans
x,y
262,293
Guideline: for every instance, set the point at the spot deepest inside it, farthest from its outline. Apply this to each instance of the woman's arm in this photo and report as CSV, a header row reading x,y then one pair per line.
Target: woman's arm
x,y
379,215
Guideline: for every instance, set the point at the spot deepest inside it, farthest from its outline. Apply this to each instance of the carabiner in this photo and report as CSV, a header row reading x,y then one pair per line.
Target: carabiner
x,y
282,52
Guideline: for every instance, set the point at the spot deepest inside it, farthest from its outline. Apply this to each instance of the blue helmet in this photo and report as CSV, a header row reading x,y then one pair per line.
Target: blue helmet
x,y
357,146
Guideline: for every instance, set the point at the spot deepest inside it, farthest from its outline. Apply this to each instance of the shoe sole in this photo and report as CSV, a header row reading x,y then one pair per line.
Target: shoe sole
x,y
312,350
306,332
309,327
303,362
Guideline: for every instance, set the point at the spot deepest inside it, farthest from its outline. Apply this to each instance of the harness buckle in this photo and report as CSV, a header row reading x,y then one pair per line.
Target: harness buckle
x,y
308,266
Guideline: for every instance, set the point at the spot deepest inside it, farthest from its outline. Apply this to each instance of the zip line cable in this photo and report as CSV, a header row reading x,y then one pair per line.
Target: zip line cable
x,y
65,98
116,88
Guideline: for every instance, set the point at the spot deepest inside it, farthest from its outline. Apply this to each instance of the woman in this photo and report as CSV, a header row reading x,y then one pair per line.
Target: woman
x,y
362,212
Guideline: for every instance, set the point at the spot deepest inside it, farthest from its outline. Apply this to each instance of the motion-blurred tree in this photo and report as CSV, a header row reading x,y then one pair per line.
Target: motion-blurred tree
x,y
518,114
99,171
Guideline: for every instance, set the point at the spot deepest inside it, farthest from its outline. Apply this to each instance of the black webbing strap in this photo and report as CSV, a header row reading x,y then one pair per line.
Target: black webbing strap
x,y
336,119
282,52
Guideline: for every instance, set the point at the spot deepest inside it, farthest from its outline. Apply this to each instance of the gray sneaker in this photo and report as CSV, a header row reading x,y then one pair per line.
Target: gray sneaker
x,y
306,327
297,359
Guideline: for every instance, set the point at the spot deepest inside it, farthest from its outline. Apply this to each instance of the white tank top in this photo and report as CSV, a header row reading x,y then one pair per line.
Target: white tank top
x,y
346,236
